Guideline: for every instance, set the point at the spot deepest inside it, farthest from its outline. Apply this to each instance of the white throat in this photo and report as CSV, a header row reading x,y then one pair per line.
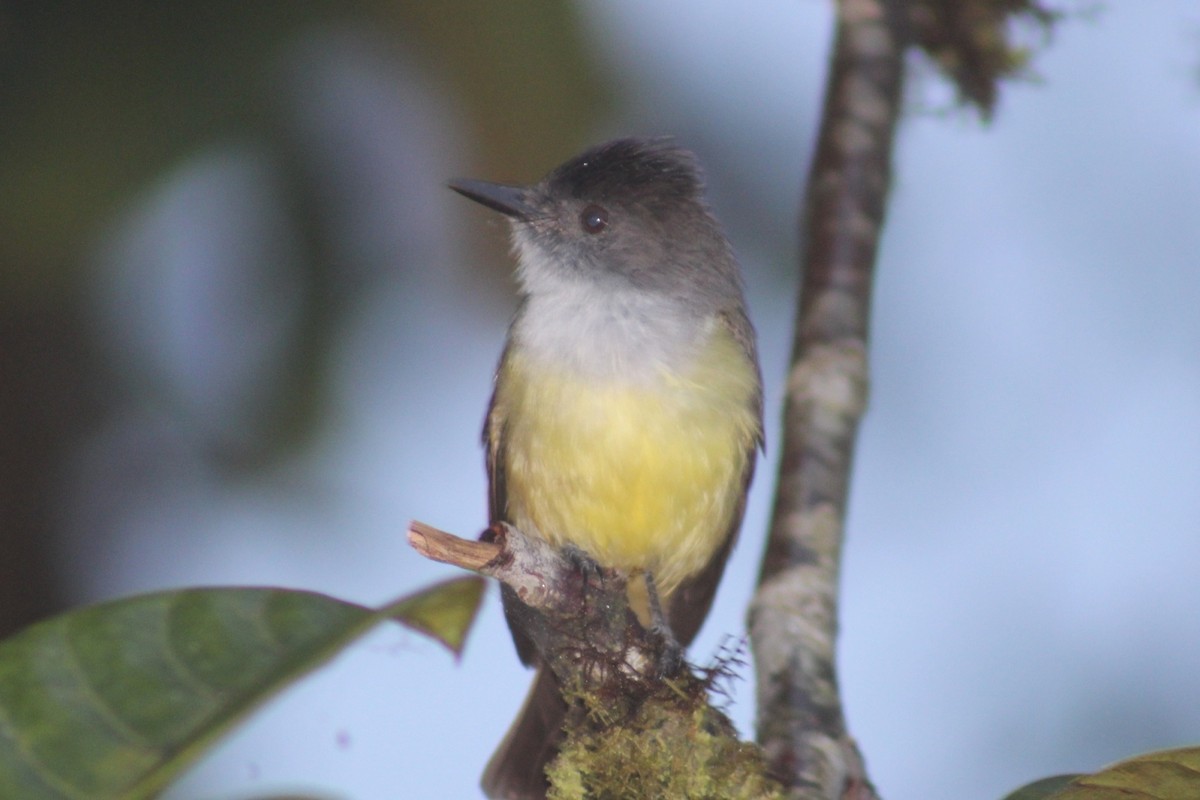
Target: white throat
x,y
602,328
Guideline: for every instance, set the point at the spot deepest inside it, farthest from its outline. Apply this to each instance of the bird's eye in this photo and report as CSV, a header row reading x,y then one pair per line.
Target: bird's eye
x,y
593,218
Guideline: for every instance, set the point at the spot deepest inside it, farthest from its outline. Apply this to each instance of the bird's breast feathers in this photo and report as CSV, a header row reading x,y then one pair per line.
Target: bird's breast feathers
x,y
643,468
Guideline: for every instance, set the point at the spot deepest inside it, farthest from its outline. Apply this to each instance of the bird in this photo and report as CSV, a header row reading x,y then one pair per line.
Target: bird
x,y
626,411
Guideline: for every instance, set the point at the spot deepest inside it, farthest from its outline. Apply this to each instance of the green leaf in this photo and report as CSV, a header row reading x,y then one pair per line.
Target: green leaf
x,y
1164,775
1042,789
113,701
444,611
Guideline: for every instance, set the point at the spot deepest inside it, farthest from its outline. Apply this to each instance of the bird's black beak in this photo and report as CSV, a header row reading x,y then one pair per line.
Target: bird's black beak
x,y
511,201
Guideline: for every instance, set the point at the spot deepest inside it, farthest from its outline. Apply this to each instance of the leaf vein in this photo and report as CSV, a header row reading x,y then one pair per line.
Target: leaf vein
x,y
105,710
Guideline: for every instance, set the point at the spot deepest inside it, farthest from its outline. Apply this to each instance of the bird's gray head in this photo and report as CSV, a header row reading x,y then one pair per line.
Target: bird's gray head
x,y
627,215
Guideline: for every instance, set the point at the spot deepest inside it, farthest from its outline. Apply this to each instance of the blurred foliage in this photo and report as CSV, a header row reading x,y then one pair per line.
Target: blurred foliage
x,y
523,69
972,42
99,102
98,98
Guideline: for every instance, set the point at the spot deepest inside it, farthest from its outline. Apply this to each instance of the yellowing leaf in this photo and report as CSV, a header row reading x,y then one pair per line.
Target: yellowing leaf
x,y
444,611
1164,775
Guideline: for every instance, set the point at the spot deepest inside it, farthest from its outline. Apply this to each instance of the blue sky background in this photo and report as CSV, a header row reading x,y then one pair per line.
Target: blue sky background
x,y
1019,587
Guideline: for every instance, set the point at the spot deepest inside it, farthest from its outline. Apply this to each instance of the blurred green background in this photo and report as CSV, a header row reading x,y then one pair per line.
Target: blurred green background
x,y
100,100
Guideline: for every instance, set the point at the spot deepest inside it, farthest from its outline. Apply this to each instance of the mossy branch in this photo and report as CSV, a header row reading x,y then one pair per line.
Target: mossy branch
x,y
631,732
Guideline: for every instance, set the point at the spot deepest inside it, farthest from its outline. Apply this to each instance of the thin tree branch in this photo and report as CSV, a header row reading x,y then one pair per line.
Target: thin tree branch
x,y
558,599
793,616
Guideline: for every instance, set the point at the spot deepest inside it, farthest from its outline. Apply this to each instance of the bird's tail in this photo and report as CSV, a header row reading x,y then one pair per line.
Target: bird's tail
x,y
517,770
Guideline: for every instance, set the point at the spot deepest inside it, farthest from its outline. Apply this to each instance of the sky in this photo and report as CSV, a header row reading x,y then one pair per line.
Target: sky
x,y
1018,591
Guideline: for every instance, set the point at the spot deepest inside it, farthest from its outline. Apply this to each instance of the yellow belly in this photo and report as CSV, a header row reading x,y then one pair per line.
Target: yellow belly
x,y
639,474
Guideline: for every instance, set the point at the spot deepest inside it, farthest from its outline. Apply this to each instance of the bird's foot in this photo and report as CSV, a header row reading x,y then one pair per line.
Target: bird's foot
x,y
587,567
671,654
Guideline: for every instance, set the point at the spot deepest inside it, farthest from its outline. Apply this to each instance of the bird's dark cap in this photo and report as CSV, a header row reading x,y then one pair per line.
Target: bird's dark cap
x,y
629,169
511,201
